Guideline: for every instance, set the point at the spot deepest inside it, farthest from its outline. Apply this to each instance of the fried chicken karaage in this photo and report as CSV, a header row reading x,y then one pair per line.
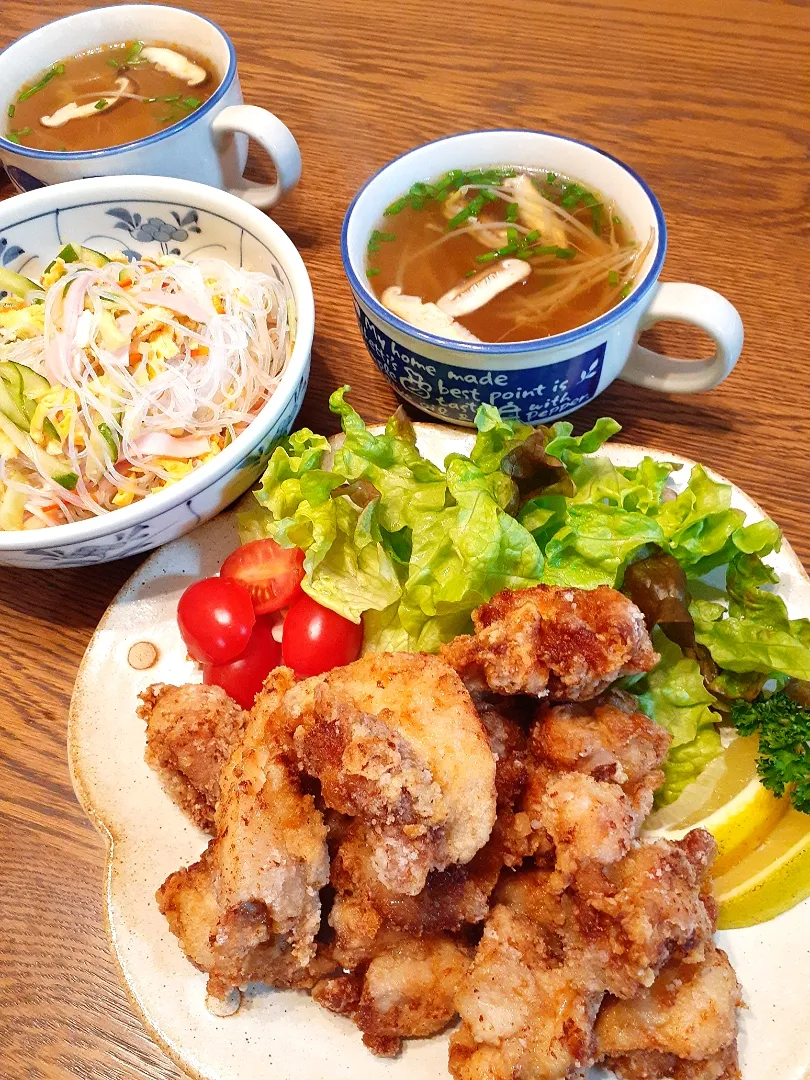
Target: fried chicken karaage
x,y
190,732
411,838
566,644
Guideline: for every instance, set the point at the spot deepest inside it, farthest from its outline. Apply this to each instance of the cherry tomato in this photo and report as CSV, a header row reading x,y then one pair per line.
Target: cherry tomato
x,y
316,639
272,574
242,678
216,619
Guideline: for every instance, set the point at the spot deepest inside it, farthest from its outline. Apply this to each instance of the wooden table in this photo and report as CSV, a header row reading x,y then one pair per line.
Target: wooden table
x,y
707,101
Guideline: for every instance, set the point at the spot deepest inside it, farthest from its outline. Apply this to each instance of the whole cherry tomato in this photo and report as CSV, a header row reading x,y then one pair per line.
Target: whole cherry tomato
x,y
216,619
271,574
316,639
242,678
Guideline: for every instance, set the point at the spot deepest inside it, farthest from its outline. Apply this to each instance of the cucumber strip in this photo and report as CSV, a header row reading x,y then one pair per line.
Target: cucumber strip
x,y
12,402
68,480
16,284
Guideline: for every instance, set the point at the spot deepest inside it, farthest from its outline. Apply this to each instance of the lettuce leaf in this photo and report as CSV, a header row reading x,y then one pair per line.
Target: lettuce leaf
x,y
673,694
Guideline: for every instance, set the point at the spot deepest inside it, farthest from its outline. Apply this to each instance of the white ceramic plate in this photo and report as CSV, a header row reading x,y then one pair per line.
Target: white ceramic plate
x,y
284,1035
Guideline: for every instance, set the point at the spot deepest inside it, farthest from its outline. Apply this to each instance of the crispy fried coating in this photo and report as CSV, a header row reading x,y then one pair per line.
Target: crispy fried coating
x,y
690,1013
651,1065
633,916
190,732
526,1011
406,991
256,889
565,644
395,738
593,769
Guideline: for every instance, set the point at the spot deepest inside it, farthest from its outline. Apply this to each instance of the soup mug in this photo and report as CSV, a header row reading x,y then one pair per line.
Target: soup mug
x,y
546,378
210,145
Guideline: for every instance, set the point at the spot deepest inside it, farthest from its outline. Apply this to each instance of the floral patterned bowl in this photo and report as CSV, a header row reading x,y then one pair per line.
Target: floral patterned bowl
x,y
151,215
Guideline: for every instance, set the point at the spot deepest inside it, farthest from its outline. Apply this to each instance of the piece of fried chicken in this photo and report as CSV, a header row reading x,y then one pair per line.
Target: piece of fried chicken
x,y
364,909
190,732
566,644
683,1026
254,895
631,917
547,958
527,1011
593,769
395,739
406,991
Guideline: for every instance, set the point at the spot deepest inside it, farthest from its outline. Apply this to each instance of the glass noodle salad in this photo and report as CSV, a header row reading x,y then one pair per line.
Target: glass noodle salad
x,y
118,378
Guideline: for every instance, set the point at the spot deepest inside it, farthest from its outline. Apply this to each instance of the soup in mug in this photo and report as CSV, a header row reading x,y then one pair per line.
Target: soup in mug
x,y
502,254
111,95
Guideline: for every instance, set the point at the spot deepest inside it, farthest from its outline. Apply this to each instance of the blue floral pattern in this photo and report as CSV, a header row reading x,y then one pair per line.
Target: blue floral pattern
x,y
8,253
155,229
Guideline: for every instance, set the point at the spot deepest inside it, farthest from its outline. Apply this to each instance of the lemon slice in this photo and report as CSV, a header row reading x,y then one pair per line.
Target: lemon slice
x,y
769,880
729,801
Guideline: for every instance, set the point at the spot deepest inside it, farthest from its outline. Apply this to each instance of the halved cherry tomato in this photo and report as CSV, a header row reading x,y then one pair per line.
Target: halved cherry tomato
x,y
316,639
271,574
216,619
242,678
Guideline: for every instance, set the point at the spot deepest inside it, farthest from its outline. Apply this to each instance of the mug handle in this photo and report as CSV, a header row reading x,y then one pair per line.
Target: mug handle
x,y
703,308
276,138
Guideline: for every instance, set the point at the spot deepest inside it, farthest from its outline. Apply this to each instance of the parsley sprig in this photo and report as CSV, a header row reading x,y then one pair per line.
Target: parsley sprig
x,y
783,726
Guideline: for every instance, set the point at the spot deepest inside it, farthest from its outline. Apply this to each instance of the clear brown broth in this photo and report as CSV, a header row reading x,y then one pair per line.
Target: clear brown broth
x,y
93,74
422,266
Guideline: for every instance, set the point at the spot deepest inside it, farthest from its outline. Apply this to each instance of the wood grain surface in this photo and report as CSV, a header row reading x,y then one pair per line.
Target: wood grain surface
x,y
708,101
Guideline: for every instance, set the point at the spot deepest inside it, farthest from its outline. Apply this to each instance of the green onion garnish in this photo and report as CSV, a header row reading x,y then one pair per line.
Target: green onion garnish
x,y
488,256
135,50
551,178
12,137
613,277
512,237
596,218
626,290
470,210
11,111
616,220
101,103
512,211
565,253
191,102
57,69
113,64
23,131
532,236
471,273
372,271
395,207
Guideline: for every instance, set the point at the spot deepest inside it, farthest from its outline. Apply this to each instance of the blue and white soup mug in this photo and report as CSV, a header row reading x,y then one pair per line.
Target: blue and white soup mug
x,y
541,380
209,146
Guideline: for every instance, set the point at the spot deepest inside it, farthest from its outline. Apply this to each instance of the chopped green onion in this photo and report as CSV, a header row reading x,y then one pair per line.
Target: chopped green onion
x,y
101,103
613,277
43,82
470,210
596,218
565,253
191,102
570,200
113,64
530,252
12,137
512,211
512,236
22,132
488,256
135,50
626,290
551,178
530,238
471,273
11,111
616,220
489,194
395,207
372,271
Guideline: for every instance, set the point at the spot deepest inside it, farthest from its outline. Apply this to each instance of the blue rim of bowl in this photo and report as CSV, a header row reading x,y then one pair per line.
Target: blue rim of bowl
x,y
136,144
510,348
